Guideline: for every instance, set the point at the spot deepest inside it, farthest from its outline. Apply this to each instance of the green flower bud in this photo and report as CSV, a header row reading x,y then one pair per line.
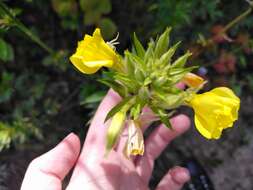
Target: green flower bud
x,y
115,129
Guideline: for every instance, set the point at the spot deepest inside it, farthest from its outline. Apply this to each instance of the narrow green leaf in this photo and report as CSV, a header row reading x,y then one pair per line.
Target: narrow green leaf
x,y
163,117
176,71
138,47
139,76
130,64
166,57
176,74
139,61
149,54
162,43
135,111
180,62
128,81
136,66
93,98
166,121
147,81
117,108
121,90
143,95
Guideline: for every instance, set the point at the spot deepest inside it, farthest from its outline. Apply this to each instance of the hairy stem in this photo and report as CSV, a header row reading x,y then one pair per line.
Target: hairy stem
x,y
236,20
24,29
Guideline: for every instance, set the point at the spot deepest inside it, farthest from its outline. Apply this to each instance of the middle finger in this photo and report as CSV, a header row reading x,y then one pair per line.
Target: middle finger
x,y
157,142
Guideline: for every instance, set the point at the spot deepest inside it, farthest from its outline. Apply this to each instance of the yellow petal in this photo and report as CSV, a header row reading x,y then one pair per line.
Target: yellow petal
x,y
225,92
230,98
106,63
207,129
81,66
200,126
97,34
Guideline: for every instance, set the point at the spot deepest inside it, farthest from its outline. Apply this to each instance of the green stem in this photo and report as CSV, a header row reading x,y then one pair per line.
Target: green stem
x,y
236,20
227,27
24,29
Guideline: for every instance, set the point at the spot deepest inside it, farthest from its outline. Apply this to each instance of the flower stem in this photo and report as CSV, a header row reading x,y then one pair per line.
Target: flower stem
x,y
210,42
24,29
237,20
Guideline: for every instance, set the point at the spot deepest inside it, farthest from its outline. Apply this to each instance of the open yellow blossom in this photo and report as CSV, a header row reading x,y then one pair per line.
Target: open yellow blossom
x,y
135,142
214,111
193,80
93,53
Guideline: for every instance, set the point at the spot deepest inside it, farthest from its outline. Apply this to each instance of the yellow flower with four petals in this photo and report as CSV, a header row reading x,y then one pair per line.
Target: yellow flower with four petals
x,y
214,111
93,53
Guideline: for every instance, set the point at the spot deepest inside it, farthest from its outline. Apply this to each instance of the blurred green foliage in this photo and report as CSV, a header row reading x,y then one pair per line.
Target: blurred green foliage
x,y
17,132
6,87
85,12
66,9
178,13
6,51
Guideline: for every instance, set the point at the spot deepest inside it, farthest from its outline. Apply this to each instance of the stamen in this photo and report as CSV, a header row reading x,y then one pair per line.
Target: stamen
x,y
114,42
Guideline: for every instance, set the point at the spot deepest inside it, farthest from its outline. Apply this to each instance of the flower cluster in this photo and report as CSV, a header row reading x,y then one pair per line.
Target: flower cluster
x,y
148,78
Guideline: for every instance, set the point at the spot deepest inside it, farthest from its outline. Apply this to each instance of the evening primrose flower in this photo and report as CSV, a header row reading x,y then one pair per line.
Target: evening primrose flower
x,y
214,111
135,142
93,53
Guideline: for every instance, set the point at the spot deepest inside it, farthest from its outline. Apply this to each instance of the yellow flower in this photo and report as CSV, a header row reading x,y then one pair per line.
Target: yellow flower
x,y
93,53
214,111
135,142
193,80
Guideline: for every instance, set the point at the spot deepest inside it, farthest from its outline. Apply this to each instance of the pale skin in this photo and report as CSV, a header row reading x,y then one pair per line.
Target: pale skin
x,y
94,171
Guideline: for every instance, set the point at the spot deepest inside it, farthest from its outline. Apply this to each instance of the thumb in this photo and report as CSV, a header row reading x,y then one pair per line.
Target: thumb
x,y
48,170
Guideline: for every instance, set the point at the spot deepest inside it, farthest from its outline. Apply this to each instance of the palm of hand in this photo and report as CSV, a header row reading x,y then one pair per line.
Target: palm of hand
x,y
113,172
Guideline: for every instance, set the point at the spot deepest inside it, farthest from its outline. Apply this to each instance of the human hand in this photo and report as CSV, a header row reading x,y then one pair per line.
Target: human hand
x,y
93,171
